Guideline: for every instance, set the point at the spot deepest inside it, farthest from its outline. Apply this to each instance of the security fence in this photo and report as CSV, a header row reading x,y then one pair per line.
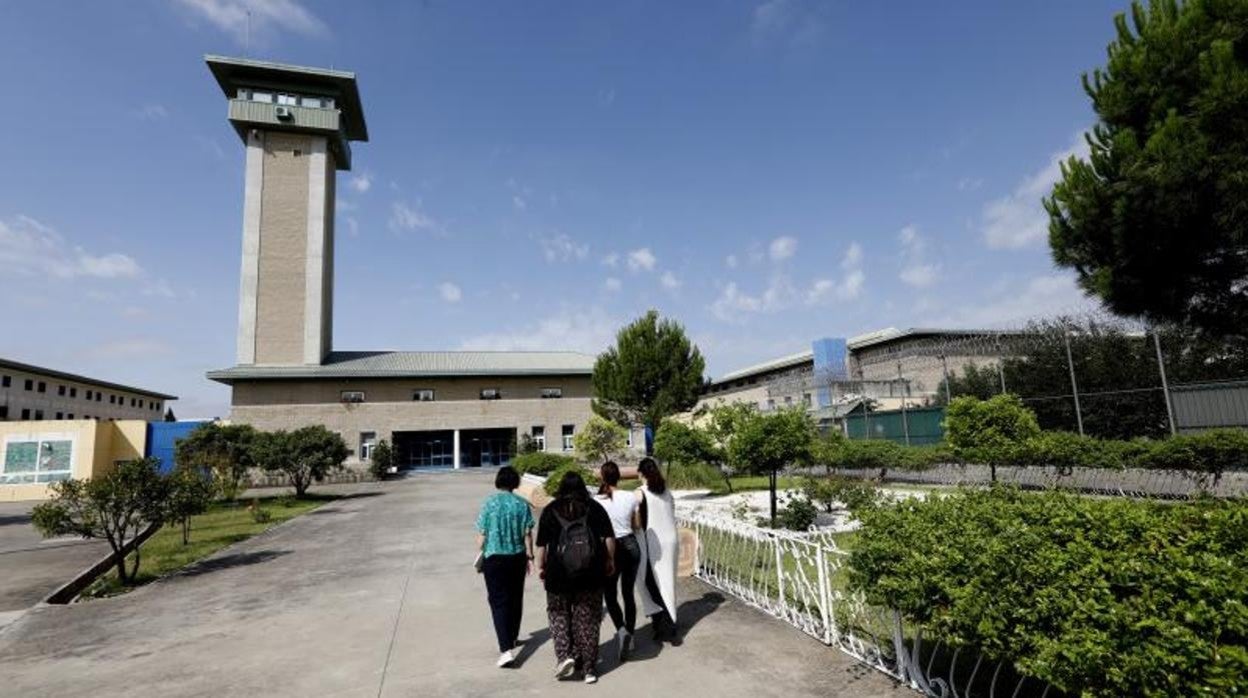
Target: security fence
x,y
802,579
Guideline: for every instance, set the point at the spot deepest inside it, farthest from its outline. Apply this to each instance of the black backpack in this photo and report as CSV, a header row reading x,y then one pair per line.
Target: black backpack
x,y
577,551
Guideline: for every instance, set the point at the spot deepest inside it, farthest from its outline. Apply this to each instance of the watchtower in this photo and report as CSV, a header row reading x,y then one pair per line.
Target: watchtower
x,y
297,124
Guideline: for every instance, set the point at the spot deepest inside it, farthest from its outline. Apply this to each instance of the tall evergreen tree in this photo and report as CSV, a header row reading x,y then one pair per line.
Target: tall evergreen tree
x,y
1155,222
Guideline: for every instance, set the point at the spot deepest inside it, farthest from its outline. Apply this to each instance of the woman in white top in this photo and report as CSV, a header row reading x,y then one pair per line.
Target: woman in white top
x,y
659,551
622,510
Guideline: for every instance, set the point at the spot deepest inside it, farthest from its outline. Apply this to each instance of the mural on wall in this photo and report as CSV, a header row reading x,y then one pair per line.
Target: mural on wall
x,y
29,462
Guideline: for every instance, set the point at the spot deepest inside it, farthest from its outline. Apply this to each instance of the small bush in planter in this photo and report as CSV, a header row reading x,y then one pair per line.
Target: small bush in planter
x,y
556,477
540,462
798,515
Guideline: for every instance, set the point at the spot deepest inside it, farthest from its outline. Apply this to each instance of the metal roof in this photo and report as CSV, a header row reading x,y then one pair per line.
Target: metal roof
x,y
232,73
773,365
415,364
892,334
51,373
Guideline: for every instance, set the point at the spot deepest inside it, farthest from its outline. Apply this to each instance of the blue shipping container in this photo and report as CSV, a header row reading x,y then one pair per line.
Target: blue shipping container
x,y
163,436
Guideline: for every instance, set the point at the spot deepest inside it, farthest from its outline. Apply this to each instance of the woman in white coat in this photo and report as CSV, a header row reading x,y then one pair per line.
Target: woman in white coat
x,y
660,551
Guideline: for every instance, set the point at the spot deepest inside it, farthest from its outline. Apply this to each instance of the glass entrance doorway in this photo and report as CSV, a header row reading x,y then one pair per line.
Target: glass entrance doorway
x,y
424,449
486,447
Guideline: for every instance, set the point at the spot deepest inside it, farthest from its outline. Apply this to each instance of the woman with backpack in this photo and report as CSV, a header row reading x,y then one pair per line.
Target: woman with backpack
x,y
660,550
577,557
622,509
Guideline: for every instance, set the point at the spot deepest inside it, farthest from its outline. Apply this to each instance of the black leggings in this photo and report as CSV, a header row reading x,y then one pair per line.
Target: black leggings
x,y
627,559
504,583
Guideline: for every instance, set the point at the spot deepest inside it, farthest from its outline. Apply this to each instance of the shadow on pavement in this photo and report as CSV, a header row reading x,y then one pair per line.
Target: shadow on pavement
x,y
14,520
645,647
232,560
530,646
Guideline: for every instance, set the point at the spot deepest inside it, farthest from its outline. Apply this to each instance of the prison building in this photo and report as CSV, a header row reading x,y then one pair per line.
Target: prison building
x,y
35,393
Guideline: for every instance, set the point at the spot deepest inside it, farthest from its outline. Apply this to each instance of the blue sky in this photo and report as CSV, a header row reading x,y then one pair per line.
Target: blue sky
x,y
539,173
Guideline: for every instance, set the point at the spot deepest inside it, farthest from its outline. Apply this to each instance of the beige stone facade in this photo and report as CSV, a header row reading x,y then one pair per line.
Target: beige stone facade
x,y
31,393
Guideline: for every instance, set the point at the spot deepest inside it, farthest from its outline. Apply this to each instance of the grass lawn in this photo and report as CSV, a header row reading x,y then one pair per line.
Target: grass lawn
x,y
223,524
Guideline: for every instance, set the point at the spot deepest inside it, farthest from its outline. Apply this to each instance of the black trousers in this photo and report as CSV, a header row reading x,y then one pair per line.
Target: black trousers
x,y
504,584
627,560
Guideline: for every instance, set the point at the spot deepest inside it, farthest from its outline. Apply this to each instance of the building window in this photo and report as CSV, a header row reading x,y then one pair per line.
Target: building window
x,y
806,399
771,404
60,415
6,381
539,438
788,399
99,397
38,415
60,390
266,97
73,392
353,396
491,394
28,462
552,392
289,100
4,411
30,384
310,102
112,399
423,395
25,413
43,387
89,394
568,431
368,439
69,416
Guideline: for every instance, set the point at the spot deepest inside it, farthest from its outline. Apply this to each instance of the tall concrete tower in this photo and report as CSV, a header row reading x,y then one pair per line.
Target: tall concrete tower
x,y
297,124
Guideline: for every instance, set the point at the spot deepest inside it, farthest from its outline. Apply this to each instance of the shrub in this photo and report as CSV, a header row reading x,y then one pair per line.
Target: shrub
x,y
693,476
599,439
224,449
765,443
540,462
989,431
851,493
798,515
190,491
381,461
556,476
1096,597
678,443
115,507
304,455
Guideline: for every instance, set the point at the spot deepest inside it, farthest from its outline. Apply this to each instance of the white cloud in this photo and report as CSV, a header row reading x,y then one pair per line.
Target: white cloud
x,y
825,290
562,248
257,20
782,248
518,202
612,284
29,248
642,260
669,281
853,256
133,348
611,260
606,97
916,271
1019,219
405,218
1045,295
152,112
733,304
786,21
731,261
353,226
970,184
588,330
362,182
450,292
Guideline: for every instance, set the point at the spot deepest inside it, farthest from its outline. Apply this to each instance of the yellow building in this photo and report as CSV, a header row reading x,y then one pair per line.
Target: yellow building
x,y
34,454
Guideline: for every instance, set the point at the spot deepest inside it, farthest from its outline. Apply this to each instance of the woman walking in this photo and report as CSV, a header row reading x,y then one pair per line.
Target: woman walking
x,y
577,550
505,539
621,508
660,550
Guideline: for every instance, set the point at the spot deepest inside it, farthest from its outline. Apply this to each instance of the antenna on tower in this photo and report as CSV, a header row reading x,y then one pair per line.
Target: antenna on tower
x,y
247,36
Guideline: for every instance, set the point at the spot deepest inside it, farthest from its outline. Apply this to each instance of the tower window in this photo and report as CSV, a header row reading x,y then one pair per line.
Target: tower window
x,y
552,392
490,394
353,396
423,395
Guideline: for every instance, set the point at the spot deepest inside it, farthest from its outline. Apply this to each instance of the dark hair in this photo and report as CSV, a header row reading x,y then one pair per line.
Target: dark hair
x,y
610,474
572,486
507,478
649,469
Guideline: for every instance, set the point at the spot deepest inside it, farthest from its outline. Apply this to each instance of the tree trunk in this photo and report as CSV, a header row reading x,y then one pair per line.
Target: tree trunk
x,y
186,530
121,566
992,469
773,498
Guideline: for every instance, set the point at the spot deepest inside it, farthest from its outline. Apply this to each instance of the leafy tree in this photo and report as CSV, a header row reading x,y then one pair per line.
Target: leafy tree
x,y
305,455
599,439
766,443
115,507
224,449
381,461
989,431
1154,221
677,442
190,492
652,371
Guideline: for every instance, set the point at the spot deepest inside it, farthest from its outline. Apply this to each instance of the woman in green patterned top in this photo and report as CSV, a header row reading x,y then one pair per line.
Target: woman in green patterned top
x,y
505,539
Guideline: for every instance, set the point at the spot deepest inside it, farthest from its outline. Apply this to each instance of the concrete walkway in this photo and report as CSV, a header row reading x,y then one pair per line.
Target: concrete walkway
x,y
374,595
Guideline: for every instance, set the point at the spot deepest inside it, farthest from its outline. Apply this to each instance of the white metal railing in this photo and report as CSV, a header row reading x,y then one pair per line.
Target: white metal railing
x,y
802,579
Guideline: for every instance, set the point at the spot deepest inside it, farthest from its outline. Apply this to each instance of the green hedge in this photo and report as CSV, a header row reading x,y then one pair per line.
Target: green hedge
x,y
556,476
1099,597
540,462
693,476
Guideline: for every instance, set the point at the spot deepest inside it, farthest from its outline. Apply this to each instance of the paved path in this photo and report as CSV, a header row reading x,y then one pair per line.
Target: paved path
x,y
31,566
375,596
